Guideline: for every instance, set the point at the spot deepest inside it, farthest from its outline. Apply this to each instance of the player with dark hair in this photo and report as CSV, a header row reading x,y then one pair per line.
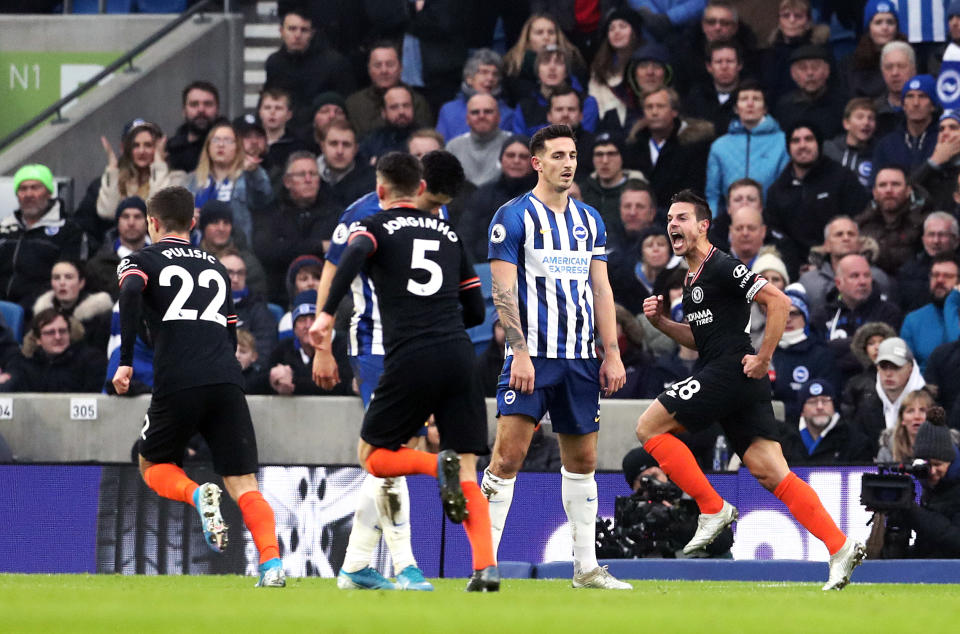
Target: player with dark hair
x,y
184,293
729,385
549,266
423,276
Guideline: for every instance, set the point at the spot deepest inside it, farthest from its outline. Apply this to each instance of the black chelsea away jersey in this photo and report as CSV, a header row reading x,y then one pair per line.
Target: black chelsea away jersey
x,y
716,304
187,306
418,269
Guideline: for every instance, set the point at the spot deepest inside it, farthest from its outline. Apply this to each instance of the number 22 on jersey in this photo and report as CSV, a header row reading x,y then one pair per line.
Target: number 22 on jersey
x,y
176,310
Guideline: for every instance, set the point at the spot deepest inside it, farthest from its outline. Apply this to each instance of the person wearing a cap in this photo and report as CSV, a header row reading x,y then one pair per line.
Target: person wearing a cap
x,y
881,25
129,234
894,218
481,74
935,323
936,519
799,356
140,170
516,177
35,236
344,177
253,138
306,65
811,191
753,147
602,189
822,436
327,107
864,346
671,150
816,97
897,375
291,362
911,143
938,175
795,29
769,264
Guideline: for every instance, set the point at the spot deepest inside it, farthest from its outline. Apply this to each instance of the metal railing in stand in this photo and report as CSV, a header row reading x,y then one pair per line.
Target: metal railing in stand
x,y
124,60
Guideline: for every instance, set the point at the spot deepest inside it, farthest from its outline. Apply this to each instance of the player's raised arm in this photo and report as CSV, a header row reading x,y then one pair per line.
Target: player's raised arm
x,y
504,276
777,307
681,333
612,373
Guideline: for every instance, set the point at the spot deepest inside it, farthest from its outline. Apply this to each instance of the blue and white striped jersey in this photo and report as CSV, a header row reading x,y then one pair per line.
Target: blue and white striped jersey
x,y
923,20
366,333
553,253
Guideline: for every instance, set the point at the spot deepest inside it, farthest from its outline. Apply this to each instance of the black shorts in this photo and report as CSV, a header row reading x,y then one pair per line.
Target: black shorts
x,y
218,412
721,392
436,379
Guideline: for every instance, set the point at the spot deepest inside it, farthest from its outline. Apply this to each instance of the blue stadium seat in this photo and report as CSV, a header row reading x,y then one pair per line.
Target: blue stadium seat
x,y
161,6
277,311
13,315
92,6
482,334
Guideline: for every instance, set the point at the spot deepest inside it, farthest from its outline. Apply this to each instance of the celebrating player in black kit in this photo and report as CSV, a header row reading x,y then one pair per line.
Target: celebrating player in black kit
x,y
422,276
730,385
184,294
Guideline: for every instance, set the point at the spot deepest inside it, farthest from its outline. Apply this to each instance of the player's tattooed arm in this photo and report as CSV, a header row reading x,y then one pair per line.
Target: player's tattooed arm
x,y
505,299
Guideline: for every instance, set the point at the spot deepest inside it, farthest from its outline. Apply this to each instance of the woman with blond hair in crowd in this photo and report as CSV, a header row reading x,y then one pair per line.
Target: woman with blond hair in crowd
x,y
228,174
140,170
538,32
896,443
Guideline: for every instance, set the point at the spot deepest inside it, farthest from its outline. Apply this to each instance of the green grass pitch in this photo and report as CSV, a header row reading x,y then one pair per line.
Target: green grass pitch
x,y
229,605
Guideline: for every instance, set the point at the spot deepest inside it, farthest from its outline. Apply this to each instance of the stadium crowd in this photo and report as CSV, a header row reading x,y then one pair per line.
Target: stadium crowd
x,y
821,143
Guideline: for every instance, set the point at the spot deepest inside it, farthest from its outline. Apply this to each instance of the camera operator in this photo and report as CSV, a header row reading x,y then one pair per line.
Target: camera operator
x,y
936,520
657,520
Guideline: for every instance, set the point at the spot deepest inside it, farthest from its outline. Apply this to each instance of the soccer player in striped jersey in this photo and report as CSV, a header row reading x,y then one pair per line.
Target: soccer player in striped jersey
x,y
549,268
383,505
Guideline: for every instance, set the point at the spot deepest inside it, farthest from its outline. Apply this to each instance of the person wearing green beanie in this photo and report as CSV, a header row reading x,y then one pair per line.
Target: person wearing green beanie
x,y
34,237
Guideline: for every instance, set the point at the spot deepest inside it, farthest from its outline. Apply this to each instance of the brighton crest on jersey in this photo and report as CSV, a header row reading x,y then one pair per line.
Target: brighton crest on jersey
x,y
553,254
366,332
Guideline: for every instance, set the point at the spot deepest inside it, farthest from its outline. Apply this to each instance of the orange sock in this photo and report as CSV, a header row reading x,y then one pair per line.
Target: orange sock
x,y
680,466
384,463
258,516
477,526
805,505
169,481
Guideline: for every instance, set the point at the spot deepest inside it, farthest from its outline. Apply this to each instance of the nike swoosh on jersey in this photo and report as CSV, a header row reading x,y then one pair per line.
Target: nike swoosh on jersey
x,y
547,230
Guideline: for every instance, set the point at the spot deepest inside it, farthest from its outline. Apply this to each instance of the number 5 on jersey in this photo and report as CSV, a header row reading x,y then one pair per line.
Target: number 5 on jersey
x,y
418,260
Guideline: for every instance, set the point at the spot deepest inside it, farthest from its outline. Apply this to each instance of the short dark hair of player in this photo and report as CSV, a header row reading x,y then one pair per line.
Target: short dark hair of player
x,y
173,207
563,90
557,131
700,206
402,171
42,319
751,84
442,173
200,84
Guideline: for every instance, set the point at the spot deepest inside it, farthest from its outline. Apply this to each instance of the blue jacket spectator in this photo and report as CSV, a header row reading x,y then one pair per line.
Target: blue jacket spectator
x,y
481,73
678,12
758,152
935,323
